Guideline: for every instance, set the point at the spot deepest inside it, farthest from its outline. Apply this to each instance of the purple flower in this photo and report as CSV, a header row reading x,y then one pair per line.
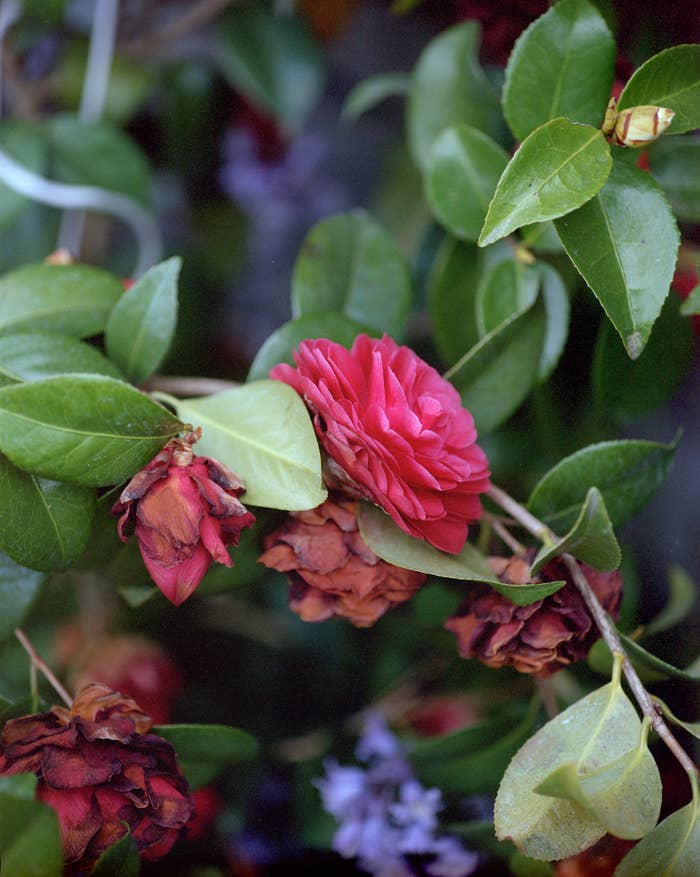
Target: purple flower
x,y
452,859
341,788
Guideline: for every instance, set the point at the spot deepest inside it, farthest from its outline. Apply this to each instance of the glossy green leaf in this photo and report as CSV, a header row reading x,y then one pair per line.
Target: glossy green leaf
x,y
84,429
562,65
273,60
44,525
505,289
464,166
119,860
674,166
630,388
31,356
672,849
372,91
692,728
349,263
591,539
557,310
624,796
393,545
558,168
30,843
19,588
478,770
203,751
496,375
641,658
670,79
681,599
280,346
592,734
452,285
281,468
142,323
98,154
624,243
627,473
449,67
25,144
66,299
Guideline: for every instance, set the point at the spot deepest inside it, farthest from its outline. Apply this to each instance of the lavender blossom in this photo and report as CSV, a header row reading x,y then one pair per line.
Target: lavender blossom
x,y
386,816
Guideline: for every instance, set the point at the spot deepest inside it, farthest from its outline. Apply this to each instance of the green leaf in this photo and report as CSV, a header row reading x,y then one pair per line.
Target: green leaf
x,y
670,79
349,263
591,539
19,588
464,166
459,743
557,310
643,659
558,168
21,785
273,60
23,143
84,429
691,305
541,237
672,849
692,728
627,473
119,860
393,545
142,323
505,289
283,342
44,525
592,734
31,356
30,843
562,65
203,751
281,468
624,244
480,767
629,389
98,154
496,375
372,91
624,796
681,599
523,866
65,299
673,165
449,67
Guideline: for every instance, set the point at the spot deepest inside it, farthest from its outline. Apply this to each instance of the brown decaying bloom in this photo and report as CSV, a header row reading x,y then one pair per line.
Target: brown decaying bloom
x,y
331,569
542,637
103,772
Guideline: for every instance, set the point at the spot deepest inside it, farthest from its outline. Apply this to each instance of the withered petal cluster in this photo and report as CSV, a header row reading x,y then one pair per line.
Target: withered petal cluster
x,y
540,638
103,772
331,569
185,511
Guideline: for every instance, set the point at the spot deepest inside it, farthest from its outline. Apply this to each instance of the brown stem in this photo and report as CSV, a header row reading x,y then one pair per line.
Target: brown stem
x,y
603,621
186,386
43,666
504,534
197,17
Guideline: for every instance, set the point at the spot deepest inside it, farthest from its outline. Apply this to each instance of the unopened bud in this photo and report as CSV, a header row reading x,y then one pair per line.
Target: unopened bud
x,y
639,126
608,125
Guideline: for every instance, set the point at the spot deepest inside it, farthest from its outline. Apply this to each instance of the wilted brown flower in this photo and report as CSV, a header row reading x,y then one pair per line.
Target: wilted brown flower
x,y
542,637
103,773
332,571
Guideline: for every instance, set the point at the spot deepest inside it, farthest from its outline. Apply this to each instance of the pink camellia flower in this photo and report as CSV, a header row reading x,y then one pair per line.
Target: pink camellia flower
x,y
396,433
185,511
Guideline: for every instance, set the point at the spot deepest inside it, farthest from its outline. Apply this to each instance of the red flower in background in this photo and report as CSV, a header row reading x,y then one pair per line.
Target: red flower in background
x,y
185,511
502,22
396,433
103,773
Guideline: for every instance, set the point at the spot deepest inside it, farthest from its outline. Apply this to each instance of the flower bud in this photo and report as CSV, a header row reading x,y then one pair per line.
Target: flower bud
x,y
639,126
103,772
184,510
332,571
610,118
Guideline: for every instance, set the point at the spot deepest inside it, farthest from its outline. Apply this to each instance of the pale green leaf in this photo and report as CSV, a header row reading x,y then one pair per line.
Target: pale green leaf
x,y
374,90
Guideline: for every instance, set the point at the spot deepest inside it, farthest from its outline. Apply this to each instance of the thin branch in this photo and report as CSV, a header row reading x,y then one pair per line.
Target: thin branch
x,y
197,17
43,667
603,621
187,386
504,534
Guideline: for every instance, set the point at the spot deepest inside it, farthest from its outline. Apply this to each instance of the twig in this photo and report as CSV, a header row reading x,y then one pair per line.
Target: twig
x,y
504,534
198,16
41,665
187,386
603,621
